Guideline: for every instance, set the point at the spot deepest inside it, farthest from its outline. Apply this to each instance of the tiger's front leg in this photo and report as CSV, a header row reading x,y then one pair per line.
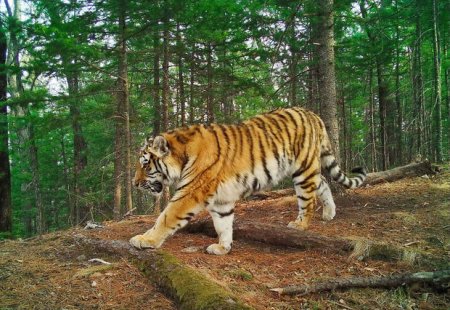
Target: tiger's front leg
x,y
175,216
223,216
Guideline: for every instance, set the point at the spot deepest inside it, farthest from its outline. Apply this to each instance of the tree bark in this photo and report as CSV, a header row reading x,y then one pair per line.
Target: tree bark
x,y
382,90
191,87
398,103
437,145
418,89
5,170
181,77
438,279
156,86
327,78
78,212
165,88
209,96
123,156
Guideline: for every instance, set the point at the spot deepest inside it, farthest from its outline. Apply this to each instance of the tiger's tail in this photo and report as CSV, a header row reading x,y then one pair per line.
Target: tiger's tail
x,y
328,161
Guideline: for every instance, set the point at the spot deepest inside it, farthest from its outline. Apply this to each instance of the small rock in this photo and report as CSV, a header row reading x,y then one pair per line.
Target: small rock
x,y
191,249
94,284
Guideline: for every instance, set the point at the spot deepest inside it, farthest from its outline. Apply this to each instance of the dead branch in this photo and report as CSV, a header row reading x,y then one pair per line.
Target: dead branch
x,y
190,289
437,279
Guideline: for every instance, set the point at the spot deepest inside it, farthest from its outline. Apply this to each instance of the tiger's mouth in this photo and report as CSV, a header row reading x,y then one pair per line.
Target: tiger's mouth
x,y
155,188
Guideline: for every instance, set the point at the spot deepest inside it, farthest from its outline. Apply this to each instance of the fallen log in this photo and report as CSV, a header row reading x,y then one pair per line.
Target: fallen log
x,y
274,235
190,289
438,280
408,171
277,235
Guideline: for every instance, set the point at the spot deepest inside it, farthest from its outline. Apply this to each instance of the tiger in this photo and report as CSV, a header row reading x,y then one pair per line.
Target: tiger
x,y
212,166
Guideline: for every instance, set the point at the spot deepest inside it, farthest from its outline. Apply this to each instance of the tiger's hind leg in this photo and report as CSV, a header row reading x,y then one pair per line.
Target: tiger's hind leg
x,y
223,216
325,196
305,188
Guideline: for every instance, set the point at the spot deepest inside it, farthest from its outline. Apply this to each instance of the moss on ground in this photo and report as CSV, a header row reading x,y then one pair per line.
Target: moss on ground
x,y
189,288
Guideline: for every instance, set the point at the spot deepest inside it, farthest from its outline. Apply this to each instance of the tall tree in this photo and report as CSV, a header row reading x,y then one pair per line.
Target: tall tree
x,y
5,171
327,77
437,143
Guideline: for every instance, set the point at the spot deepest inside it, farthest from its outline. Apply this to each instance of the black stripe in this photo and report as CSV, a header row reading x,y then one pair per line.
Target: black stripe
x,y
302,136
304,198
255,184
326,153
279,134
263,160
298,172
241,142
224,214
332,165
306,206
294,122
250,145
306,180
187,218
181,138
285,126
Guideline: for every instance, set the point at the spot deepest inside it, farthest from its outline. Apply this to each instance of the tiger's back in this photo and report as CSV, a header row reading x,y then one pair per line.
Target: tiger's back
x,y
215,165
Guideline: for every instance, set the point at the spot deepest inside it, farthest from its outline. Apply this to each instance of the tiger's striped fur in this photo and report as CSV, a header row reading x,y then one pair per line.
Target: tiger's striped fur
x,y
215,165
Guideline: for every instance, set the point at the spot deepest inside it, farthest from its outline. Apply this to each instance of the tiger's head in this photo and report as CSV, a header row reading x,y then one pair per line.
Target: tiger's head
x,y
151,171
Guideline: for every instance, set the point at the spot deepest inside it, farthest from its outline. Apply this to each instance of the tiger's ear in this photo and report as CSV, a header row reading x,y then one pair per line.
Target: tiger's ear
x,y
158,146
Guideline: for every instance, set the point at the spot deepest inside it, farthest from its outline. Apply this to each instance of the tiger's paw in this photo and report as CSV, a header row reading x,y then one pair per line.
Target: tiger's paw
x,y
143,242
328,214
303,225
218,249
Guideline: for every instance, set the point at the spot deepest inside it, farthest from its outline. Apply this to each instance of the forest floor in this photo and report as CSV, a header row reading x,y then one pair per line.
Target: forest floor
x,y
52,272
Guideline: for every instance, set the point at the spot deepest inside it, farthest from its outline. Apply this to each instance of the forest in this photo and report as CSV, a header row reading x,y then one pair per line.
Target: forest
x,y
82,83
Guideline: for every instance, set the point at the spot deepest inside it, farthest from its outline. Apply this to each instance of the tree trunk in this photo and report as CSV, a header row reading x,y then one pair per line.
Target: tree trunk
x,y
180,77
35,181
327,79
165,89
373,137
399,120
66,171
382,91
437,108
156,86
418,88
26,133
79,149
191,88
123,105
209,96
5,171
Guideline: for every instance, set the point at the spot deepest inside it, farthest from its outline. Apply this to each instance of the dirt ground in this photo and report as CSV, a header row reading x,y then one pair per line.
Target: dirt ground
x,y
51,272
